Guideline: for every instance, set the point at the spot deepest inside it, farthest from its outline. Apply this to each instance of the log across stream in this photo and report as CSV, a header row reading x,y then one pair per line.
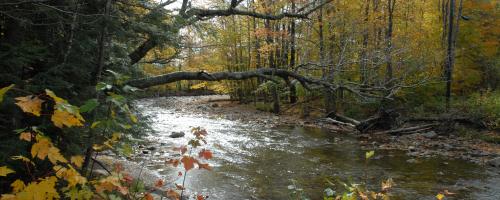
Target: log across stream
x,y
254,161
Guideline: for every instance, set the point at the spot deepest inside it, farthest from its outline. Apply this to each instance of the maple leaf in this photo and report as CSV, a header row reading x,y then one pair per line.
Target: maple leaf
x,y
55,156
159,183
4,170
188,162
173,162
204,166
173,194
30,104
17,186
4,90
63,118
45,189
148,196
77,160
182,149
207,154
54,96
200,197
26,136
179,187
41,148
439,196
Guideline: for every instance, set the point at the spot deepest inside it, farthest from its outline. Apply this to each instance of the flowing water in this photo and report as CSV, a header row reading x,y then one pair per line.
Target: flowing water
x,y
252,161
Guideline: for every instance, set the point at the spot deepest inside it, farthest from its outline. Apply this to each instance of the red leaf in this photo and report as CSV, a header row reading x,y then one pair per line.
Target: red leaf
x,y
204,166
148,196
182,149
173,162
159,183
200,197
180,174
179,187
173,194
188,162
127,178
207,154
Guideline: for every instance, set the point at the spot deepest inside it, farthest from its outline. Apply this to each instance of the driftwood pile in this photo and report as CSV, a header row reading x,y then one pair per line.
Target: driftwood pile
x,y
391,122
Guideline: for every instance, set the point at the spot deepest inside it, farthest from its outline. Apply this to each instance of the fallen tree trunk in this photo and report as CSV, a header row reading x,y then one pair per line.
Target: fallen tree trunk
x,y
336,122
412,129
342,118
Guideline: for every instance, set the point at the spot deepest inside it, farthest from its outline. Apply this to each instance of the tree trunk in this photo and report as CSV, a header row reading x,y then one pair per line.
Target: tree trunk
x,y
388,38
293,90
450,53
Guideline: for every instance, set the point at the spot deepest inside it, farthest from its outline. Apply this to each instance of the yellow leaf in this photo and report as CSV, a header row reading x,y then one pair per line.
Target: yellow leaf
x,y
17,186
4,90
369,154
24,159
54,96
8,197
25,136
77,160
63,118
41,148
5,170
55,156
94,124
439,196
45,189
30,104
133,118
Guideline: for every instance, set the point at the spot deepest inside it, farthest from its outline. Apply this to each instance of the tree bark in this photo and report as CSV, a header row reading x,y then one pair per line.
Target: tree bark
x,y
450,54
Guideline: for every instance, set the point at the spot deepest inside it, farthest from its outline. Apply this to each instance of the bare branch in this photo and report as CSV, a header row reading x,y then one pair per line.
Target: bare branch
x,y
204,13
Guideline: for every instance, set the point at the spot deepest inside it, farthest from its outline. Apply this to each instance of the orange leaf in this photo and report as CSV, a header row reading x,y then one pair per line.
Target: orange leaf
x,y
207,154
200,197
148,196
188,162
204,166
173,162
179,187
30,104
26,136
173,194
159,183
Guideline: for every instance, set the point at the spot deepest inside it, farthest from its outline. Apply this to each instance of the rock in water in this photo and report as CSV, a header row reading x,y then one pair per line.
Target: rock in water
x,y
177,134
494,162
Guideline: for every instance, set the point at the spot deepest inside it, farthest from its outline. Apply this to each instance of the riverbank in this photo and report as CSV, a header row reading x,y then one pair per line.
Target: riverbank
x,y
418,145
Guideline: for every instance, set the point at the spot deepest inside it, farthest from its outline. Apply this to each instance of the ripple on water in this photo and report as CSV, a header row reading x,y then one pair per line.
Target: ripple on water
x,y
255,162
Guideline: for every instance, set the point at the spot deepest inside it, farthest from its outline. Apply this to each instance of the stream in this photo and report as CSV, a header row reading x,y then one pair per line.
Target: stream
x,y
254,161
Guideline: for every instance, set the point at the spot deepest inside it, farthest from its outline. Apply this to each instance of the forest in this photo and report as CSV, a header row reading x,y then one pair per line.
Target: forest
x,y
256,99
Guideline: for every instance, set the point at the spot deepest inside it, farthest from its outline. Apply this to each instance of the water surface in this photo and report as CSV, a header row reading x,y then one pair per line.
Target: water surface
x,y
255,162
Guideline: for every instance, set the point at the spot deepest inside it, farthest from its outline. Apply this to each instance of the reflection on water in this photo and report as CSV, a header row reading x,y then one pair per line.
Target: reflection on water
x,y
253,162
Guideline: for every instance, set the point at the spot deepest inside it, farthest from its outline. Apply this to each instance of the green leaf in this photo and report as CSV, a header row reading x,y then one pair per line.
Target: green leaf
x,y
4,90
369,154
103,86
89,105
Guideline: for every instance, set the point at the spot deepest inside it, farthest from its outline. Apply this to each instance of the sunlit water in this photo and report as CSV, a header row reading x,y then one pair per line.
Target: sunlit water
x,y
254,162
